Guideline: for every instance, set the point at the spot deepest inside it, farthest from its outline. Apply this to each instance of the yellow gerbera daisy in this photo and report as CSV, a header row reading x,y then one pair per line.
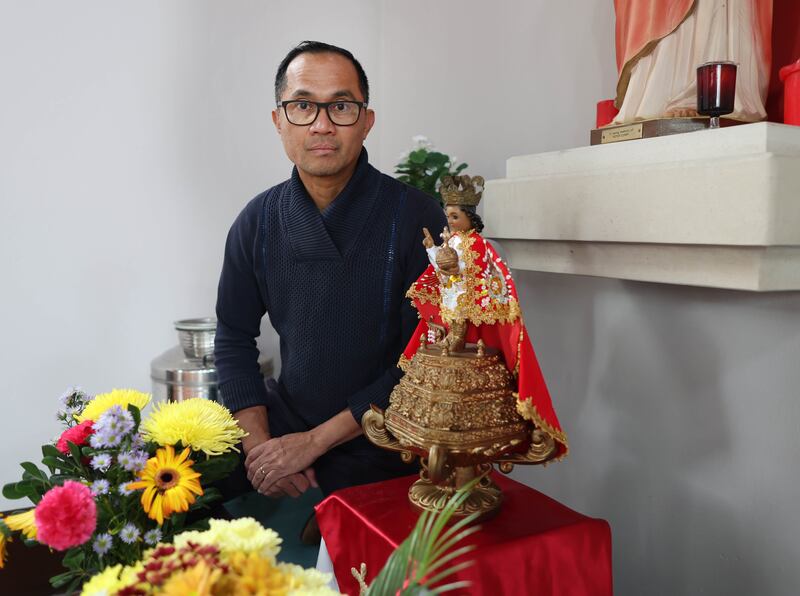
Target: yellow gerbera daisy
x,y
201,424
22,522
117,397
169,482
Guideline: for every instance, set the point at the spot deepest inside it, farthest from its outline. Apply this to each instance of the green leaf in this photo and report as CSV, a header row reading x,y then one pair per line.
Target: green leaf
x,y
418,156
435,159
136,413
73,558
460,168
57,463
217,467
32,469
75,451
59,479
62,579
50,450
18,490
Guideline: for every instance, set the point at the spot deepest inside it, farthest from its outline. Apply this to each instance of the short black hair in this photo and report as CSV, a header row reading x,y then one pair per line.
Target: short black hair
x,y
318,47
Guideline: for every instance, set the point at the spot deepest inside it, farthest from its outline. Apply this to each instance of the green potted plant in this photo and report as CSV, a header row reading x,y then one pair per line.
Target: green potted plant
x,y
423,167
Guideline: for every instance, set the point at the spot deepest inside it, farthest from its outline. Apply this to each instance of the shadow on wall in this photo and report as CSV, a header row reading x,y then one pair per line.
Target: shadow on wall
x,y
658,376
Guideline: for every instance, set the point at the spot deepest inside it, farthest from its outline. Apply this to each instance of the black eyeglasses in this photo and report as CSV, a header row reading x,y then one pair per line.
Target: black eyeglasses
x,y
302,112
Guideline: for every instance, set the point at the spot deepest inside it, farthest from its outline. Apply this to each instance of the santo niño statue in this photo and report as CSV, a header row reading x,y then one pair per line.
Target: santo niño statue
x,y
473,393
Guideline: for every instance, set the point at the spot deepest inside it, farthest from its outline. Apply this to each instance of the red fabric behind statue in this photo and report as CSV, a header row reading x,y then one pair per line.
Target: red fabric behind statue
x,y
785,50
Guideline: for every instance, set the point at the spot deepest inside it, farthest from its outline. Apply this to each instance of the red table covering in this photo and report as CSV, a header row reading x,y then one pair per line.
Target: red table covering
x,y
535,545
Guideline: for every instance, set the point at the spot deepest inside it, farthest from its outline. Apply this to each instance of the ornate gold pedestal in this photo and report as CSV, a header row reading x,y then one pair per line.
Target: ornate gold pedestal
x,y
457,411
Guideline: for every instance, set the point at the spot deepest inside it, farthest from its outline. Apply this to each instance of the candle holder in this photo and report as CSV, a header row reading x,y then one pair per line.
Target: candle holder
x,y
716,90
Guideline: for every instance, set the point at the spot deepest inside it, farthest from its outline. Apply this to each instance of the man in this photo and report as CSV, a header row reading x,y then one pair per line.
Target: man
x,y
328,255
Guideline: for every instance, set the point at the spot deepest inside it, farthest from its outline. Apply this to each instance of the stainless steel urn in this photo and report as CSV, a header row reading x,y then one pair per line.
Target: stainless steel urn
x,y
187,370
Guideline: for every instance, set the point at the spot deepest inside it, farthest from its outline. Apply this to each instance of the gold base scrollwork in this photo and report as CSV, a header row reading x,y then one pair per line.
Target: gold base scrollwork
x,y
540,450
374,425
485,499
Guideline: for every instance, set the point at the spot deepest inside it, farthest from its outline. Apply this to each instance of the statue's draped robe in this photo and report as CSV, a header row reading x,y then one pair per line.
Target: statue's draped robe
x,y
660,43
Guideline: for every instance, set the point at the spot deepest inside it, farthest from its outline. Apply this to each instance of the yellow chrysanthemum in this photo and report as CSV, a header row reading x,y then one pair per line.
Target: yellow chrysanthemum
x,y
306,581
117,397
22,522
201,424
197,581
104,583
169,482
244,535
250,573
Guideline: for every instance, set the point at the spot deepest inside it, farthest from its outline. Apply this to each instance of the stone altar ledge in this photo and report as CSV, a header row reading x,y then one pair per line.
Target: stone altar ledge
x,y
716,208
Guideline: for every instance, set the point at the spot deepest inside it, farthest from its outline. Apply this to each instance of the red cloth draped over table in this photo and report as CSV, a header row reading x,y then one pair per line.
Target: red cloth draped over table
x,y
488,297
534,545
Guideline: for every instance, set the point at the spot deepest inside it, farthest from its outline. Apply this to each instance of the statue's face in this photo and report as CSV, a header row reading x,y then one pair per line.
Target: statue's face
x,y
457,220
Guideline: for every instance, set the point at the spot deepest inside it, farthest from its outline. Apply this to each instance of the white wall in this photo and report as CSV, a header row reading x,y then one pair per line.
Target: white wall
x,y
682,412
488,80
131,134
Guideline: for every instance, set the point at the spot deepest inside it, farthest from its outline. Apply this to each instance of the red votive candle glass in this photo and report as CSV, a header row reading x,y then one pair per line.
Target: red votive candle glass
x,y
716,90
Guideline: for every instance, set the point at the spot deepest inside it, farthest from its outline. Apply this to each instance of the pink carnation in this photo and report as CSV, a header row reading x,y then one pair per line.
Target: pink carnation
x,y
66,516
77,434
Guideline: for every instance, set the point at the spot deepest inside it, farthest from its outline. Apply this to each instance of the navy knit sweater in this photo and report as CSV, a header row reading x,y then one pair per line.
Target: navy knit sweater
x,y
333,283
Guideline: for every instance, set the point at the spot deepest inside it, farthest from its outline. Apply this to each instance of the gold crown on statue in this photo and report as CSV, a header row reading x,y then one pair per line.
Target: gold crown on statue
x,y
464,191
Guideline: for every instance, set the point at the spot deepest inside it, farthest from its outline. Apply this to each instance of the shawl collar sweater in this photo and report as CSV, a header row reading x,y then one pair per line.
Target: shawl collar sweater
x,y
333,284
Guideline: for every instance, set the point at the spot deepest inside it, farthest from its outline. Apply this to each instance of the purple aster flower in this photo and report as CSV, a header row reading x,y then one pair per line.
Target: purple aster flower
x,y
129,533
152,537
100,487
137,442
66,397
102,544
101,462
133,461
138,461
113,425
124,490
96,441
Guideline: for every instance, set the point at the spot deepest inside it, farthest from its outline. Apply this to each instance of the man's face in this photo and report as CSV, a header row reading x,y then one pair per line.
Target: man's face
x,y
323,148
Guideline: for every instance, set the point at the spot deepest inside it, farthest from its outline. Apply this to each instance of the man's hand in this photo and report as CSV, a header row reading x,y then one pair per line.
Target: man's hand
x,y
293,485
283,465
282,457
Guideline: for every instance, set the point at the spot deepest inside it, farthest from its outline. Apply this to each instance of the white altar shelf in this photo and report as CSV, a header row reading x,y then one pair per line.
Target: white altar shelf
x,y
718,208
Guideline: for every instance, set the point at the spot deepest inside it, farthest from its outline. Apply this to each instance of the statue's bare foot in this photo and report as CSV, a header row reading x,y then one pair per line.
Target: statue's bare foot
x,y
682,113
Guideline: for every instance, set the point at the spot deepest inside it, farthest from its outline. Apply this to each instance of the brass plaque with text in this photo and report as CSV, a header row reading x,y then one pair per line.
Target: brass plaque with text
x,y
621,133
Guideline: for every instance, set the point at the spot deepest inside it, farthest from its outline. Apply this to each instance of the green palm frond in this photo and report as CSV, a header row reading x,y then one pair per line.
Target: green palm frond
x,y
422,560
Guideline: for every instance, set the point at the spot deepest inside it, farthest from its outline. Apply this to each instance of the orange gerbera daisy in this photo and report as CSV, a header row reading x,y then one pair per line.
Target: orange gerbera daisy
x,y
169,482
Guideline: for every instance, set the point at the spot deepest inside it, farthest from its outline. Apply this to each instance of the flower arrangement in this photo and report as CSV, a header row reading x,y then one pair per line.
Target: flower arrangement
x,y
423,167
231,557
117,485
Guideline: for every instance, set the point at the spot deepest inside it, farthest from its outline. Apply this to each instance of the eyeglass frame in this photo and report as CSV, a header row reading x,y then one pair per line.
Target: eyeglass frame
x,y
362,105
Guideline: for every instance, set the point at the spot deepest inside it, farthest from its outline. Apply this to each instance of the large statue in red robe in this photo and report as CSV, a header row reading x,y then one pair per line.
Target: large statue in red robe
x,y
660,43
